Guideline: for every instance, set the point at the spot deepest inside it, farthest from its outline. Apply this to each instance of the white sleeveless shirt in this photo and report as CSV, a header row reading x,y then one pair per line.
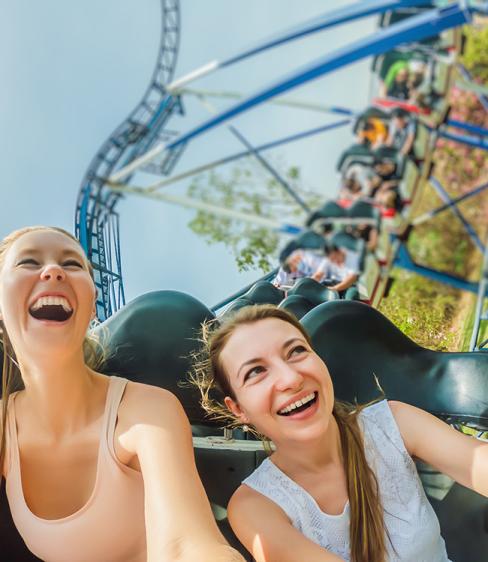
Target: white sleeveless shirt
x,y
411,522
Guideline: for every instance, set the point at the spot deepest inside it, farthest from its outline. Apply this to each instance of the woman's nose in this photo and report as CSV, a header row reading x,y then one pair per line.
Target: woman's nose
x,y
289,377
51,272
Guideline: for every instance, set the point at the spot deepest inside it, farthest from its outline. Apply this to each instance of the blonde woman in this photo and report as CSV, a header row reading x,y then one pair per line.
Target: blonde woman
x,y
341,484
97,468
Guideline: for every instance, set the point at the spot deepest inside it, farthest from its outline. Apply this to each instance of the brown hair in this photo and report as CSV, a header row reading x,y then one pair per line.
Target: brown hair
x,y
367,530
93,347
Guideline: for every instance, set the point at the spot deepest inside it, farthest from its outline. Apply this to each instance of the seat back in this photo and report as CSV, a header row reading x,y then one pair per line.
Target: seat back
x,y
308,240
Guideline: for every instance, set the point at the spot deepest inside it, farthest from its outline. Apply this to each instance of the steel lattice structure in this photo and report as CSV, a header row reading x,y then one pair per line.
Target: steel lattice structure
x,y
96,220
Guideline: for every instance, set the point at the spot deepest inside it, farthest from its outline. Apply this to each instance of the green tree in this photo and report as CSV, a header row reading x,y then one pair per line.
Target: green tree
x,y
475,56
247,189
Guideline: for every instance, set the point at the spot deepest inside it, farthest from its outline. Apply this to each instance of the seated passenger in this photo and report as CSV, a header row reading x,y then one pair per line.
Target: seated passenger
x,y
340,484
96,467
399,87
418,85
351,189
391,74
341,270
301,263
401,132
373,132
366,232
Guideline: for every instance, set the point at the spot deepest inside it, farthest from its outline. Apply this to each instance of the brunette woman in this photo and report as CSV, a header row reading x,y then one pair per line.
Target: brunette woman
x,y
341,483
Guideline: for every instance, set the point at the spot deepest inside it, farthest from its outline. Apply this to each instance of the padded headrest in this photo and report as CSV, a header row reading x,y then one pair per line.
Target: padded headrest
x,y
357,342
308,240
150,340
264,292
358,153
313,291
298,305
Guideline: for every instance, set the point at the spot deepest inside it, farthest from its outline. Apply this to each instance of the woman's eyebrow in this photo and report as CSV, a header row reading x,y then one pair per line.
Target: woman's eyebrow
x,y
292,340
248,362
258,359
37,251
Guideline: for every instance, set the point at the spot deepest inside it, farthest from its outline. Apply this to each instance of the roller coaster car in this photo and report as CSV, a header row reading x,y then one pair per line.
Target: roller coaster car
x,y
445,41
422,134
355,154
151,341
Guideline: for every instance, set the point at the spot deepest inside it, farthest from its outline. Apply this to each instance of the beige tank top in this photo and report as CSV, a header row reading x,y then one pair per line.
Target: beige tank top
x,y
109,527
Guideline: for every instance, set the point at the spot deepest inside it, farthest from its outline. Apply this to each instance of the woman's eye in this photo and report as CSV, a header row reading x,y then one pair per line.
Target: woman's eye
x,y
28,261
72,263
297,350
253,372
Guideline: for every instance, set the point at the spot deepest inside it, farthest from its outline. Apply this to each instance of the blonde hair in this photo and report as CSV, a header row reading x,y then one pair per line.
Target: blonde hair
x,y
93,346
367,530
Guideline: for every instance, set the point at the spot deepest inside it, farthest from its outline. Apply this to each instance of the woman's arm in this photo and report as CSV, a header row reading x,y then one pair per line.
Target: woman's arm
x,y
463,458
267,533
345,283
179,521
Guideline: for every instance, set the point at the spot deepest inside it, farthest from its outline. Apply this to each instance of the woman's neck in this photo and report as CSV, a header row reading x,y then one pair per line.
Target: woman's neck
x,y
60,395
312,455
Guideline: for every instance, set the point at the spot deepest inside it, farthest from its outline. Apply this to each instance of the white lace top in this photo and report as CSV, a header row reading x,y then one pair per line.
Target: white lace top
x,y
410,520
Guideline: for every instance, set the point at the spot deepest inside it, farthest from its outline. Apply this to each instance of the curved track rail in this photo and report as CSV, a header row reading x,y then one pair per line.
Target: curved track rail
x,y
96,221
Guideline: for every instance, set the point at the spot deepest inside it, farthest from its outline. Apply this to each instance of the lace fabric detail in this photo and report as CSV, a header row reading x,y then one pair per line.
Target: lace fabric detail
x,y
409,518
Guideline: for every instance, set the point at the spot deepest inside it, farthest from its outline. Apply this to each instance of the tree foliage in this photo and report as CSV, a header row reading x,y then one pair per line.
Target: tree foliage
x,y
475,56
246,188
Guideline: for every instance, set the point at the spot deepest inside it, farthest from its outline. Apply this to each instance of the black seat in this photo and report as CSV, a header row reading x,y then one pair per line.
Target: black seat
x,y
357,342
307,240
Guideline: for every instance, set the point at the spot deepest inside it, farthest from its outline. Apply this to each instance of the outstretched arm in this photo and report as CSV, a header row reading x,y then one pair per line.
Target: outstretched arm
x,y
179,521
267,533
463,458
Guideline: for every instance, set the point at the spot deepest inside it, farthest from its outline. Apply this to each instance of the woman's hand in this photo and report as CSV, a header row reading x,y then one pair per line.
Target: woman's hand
x,y
462,457
179,522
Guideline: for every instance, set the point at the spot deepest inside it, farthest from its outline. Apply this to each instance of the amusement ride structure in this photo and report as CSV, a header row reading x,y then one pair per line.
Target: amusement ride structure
x,y
144,141
153,336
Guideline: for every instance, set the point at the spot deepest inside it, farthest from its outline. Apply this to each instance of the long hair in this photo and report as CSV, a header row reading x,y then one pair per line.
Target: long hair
x,y
367,532
93,347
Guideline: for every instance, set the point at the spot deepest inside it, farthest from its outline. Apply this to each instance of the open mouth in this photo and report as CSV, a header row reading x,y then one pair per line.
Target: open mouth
x,y
55,309
299,405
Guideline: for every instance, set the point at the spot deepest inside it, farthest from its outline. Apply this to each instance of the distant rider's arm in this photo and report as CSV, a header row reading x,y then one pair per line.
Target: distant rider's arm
x,y
267,533
462,457
179,522
345,283
407,145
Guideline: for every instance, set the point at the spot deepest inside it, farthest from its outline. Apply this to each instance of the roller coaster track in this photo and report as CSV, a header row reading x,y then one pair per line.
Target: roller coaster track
x,y
96,220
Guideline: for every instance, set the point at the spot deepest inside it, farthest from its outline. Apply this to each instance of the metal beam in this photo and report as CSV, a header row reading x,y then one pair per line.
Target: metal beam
x,y
287,102
404,260
188,202
238,155
482,294
260,158
436,184
475,129
415,28
468,140
453,202
330,19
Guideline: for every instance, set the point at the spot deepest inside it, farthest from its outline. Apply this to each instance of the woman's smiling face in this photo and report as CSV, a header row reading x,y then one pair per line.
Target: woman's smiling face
x,y
281,386
47,295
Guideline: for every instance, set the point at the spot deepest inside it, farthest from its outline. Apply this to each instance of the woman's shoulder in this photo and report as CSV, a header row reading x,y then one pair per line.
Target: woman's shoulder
x,y
144,403
247,500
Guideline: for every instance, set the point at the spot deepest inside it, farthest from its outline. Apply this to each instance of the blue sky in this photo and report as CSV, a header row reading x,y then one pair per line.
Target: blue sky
x,y
71,72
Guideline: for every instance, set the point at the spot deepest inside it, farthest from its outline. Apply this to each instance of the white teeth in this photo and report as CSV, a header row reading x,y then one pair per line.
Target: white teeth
x,y
49,301
298,403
